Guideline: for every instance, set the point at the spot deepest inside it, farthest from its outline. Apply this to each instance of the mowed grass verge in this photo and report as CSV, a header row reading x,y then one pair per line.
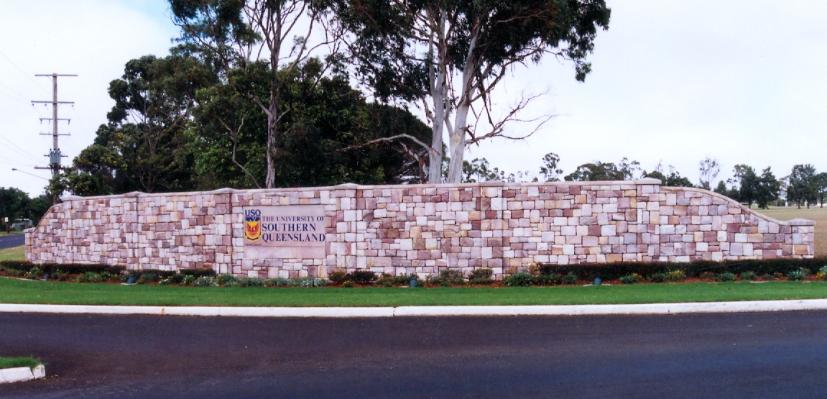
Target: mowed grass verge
x,y
40,292
14,253
11,362
819,215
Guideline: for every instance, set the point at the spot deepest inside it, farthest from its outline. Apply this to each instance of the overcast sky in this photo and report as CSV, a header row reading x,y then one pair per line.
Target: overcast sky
x,y
672,82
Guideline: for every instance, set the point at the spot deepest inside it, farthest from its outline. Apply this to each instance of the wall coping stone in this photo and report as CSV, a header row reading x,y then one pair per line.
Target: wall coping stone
x,y
353,186
791,222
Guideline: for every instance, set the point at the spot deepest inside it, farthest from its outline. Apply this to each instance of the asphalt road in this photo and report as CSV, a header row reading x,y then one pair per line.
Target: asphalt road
x,y
768,355
12,241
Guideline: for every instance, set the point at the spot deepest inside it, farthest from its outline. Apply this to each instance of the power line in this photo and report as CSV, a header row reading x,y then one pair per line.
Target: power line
x,y
54,153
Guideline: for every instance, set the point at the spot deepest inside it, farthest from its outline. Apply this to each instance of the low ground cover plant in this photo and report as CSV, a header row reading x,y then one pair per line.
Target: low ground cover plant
x,y
534,275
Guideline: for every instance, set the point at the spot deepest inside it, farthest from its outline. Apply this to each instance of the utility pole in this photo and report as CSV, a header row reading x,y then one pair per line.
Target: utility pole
x,y
54,153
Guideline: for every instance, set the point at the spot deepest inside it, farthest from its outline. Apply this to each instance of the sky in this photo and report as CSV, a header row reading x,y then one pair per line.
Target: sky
x,y
673,82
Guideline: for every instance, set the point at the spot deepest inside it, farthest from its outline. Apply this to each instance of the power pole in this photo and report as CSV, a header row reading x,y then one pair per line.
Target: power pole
x,y
54,153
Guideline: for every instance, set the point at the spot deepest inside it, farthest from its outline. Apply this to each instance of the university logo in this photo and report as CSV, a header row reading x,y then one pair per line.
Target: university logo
x,y
252,224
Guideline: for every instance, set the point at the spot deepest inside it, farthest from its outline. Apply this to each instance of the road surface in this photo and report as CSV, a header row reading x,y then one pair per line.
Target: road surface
x,y
14,240
757,355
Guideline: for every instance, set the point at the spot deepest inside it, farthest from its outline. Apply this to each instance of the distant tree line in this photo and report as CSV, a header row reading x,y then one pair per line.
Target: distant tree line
x,y
804,186
16,204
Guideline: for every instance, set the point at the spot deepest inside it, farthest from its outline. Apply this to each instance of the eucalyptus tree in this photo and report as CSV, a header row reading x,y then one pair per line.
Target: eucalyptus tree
x,y
237,34
448,56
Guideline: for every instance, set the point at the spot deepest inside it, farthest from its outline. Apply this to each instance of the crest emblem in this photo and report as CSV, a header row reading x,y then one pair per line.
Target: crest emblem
x,y
252,224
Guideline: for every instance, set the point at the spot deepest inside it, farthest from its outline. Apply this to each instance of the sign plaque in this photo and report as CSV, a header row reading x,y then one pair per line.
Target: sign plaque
x,y
289,231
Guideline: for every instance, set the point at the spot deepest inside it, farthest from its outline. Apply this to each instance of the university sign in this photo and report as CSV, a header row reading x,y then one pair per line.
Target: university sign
x,y
284,231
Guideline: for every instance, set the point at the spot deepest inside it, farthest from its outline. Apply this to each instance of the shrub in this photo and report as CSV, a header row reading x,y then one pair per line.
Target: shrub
x,y
631,278
90,277
708,276
747,276
726,277
822,273
204,281
58,275
520,279
481,276
347,284
361,276
386,280
34,273
548,279
451,277
570,278
189,279
337,276
67,268
248,282
226,280
657,277
675,275
148,277
798,275
197,272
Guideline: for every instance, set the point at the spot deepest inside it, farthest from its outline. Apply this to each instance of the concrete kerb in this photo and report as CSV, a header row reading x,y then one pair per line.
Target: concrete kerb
x,y
429,311
20,374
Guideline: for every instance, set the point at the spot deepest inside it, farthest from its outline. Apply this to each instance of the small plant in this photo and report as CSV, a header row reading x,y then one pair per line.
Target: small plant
x,y
657,277
822,273
708,276
205,281
747,276
58,275
632,278
361,276
570,278
347,284
90,277
337,276
726,277
798,274
226,280
548,279
481,276
247,282
188,279
675,275
148,277
386,280
34,273
450,277
520,279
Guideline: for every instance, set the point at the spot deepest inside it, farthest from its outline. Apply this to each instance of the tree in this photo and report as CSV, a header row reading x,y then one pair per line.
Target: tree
x,y
803,185
144,145
479,170
721,188
709,169
595,171
450,56
549,169
331,135
747,181
673,179
240,34
822,187
767,188
16,204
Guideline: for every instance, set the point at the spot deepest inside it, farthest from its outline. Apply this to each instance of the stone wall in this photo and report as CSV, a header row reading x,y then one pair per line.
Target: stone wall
x,y
420,228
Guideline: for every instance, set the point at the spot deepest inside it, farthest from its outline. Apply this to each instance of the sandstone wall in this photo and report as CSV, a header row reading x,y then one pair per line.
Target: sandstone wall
x,y
420,228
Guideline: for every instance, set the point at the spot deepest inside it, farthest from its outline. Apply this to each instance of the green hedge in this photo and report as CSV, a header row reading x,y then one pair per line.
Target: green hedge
x,y
612,271
76,268
71,268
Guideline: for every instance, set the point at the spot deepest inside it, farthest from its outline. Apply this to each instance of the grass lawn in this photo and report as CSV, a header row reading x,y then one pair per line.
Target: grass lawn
x,y
25,291
817,214
10,362
14,253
